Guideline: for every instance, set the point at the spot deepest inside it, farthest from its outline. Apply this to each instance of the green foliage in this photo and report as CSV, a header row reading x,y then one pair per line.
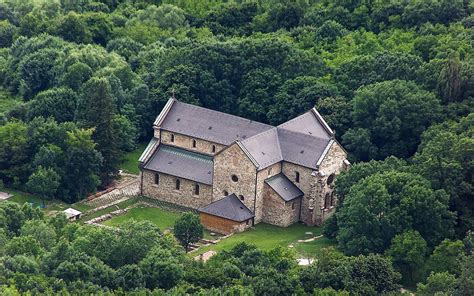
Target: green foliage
x,y
95,110
407,252
44,182
386,204
58,103
388,119
446,257
188,230
13,151
445,158
7,31
393,78
442,283
367,275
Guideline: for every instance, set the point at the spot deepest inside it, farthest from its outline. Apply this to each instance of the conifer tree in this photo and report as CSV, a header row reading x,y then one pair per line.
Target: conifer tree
x,y
95,110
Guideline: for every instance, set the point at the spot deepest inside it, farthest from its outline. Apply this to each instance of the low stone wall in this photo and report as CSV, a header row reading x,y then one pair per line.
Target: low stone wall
x,y
108,216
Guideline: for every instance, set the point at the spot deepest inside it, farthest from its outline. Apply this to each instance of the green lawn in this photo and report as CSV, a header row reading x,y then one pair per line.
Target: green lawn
x,y
122,205
313,249
162,218
23,197
130,160
266,236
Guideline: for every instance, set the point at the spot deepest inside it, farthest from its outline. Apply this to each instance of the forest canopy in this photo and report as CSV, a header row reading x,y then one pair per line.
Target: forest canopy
x,y
82,81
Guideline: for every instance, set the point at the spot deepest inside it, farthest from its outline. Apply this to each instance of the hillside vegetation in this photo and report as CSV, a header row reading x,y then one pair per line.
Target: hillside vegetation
x,y
82,81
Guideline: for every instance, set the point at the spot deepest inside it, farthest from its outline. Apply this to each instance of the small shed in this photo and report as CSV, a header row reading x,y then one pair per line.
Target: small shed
x,y
227,215
72,214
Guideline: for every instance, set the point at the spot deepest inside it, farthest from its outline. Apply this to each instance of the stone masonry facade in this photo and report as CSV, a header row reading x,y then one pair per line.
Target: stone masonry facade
x,y
237,169
166,190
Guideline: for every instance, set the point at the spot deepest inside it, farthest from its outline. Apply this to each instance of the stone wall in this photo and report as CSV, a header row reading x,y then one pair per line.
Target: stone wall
x,y
222,225
166,191
307,178
268,172
278,212
233,161
332,164
186,142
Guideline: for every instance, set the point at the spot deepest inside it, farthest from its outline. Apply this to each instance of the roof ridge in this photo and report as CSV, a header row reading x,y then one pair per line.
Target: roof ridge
x,y
224,113
300,133
274,128
186,153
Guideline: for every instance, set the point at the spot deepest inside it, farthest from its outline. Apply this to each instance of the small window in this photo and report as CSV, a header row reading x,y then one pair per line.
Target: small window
x,y
194,143
241,197
247,222
172,137
213,148
269,171
226,193
178,184
196,189
327,200
330,179
293,206
157,179
297,177
234,178
333,199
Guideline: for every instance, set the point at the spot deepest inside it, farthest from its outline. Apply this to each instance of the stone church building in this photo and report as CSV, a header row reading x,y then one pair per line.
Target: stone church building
x,y
237,172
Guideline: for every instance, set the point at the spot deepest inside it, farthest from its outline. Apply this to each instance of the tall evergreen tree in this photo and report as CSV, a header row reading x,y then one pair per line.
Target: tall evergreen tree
x,y
95,110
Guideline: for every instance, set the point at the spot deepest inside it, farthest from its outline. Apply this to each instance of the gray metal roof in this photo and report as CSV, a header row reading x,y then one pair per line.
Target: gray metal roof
x,y
209,125
280,144
309,123
264,148
284,187
182,163
301,140
301,149
229,207
148,150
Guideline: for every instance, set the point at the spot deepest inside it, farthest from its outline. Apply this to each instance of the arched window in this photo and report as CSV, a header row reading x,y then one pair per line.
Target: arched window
x,y
234,178
330,179
297,177
269,171
194,143
327,200
213,148
226,193
196,189
178,184
157,179
333,199
293,205
241,197
172,137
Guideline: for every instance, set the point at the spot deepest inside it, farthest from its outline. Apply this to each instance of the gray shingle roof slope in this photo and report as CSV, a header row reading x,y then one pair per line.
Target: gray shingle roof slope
x,y
301,149
284,187
181,163
210,125
264,148
308,124
280,144
229,207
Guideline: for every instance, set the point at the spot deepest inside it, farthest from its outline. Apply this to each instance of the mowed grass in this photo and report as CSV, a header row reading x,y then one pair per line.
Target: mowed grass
x,y
24,197
313,248
122,205
162,218
130,160
266,237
